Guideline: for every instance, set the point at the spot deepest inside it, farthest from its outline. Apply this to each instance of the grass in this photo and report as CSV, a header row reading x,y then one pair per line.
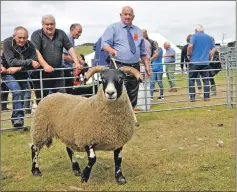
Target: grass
x,y
84,50
169,151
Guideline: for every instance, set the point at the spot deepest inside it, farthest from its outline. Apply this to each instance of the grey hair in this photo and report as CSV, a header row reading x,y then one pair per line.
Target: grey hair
x,y
199,28
19,28
74,25
48,17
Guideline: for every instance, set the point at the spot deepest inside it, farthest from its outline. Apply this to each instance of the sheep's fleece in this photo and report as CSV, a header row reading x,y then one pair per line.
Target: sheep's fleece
x,y
80,121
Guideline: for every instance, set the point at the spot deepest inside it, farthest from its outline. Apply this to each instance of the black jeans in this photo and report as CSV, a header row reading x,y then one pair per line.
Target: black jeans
x,y
130,82
68,82
57,85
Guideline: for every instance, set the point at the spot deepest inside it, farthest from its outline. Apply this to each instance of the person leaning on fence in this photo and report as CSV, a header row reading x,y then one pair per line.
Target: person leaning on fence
x,y
169,61
214,68
157,71
49,43
75,33
186,60
200,48
124,42
19,54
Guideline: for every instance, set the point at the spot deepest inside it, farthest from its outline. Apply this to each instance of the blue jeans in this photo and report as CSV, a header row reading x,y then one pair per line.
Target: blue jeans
x,y
205,79
17,95
157,76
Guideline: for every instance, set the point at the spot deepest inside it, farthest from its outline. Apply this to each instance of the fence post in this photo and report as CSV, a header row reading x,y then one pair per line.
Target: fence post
x,y
227,79
231,83
41,85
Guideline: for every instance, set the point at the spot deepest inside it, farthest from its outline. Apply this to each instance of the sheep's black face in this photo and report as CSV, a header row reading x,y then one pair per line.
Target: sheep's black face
x,y
112,80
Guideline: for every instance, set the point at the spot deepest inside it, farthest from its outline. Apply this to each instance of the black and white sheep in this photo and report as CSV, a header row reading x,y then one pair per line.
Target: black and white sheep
x,y
104,121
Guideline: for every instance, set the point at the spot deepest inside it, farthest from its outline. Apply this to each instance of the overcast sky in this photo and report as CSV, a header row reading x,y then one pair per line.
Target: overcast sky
x,y
173,19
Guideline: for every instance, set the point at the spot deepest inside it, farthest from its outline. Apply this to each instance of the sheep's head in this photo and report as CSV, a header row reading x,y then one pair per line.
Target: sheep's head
x,y
113,79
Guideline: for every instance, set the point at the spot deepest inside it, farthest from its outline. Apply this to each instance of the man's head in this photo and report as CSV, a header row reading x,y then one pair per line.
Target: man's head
x,y
75,30
20,35
127,15
166,45
188,38
48,23
156,44
144,34
199,28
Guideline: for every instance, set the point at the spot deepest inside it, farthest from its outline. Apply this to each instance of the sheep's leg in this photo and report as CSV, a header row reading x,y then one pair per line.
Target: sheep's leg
x,y
120,179
35,167
75,165
91,161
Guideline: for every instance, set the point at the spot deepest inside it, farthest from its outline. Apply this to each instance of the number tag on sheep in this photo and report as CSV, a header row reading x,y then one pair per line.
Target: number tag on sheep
x,y
111,127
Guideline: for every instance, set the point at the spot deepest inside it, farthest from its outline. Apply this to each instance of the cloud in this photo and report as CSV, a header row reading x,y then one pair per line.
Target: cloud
x,y
173,19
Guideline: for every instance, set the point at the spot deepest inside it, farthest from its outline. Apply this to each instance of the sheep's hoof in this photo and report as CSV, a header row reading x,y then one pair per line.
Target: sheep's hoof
x,y
36,172
84,179
85,175
137,124
120,179
77,172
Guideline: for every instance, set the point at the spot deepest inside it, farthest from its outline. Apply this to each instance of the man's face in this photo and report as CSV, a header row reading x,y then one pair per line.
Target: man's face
x,y
76,33
49,27
144,34
20,37
127,16
166,46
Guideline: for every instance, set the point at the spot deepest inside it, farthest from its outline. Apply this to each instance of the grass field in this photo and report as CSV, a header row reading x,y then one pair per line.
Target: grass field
x,y
175,150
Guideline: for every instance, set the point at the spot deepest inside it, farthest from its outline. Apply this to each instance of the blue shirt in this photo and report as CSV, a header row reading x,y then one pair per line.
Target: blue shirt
x,y
202,44
101,57
116,37
157,63
66,64
170,59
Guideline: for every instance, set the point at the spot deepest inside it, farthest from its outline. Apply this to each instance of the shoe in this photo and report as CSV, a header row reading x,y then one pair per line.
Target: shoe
x,y
151,99
174,90
4,108
206,99
170,90
160,97
17,123
192,99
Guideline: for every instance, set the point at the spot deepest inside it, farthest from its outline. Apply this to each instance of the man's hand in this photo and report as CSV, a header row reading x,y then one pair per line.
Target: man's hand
x,y
79,66
148,70
48,69
112,52
35,64
13,70
3,69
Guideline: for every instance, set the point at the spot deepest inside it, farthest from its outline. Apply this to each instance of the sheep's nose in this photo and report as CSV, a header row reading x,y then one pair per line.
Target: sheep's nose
x,y
110,93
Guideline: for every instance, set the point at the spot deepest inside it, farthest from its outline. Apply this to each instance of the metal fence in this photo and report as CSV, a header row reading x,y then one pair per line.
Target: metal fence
x,y
225,92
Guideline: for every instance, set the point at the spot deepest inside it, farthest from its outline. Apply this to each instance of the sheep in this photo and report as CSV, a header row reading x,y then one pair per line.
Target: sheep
x,y
104,121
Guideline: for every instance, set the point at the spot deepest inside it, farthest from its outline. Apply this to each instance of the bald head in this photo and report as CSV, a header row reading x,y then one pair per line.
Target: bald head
x,y
127,15
166,44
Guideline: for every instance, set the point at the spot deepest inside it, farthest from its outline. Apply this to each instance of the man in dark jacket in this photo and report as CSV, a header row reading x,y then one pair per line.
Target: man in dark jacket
x,y
19,54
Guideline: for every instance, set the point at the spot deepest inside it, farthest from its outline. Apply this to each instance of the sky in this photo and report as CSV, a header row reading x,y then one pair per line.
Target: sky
x,y
172,19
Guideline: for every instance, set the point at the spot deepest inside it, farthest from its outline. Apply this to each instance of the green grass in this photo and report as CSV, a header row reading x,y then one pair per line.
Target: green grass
x,y
84,50
174,150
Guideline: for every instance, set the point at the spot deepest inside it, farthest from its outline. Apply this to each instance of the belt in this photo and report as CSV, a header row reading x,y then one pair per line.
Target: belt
x,y
128,64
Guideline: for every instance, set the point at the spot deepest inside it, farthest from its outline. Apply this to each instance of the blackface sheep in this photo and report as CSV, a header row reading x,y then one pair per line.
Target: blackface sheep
x,y
104,121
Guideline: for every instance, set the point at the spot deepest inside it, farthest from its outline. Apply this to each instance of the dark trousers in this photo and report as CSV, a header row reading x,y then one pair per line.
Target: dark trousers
x,y
49,85
4,96
68,82
205,78
130,82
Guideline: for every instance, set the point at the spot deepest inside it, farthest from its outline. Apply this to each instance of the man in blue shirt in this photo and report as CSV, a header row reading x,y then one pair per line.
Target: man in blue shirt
x,y
125,51
75,33
169,61
101,57
200,48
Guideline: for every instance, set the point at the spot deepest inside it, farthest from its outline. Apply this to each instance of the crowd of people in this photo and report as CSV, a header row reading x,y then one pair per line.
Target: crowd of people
x,y
52,50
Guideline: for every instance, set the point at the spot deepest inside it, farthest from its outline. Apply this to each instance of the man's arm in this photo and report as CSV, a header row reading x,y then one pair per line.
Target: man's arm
x,y
155,55
43,63
67,58
107,40
189,49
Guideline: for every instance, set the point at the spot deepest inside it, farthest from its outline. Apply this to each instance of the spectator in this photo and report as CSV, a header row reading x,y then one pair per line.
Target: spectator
x,y
199,49
153,45
18,54
101,57
169,61
49,43
157,71
75,33
184,59
214,68
78,73
124,42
